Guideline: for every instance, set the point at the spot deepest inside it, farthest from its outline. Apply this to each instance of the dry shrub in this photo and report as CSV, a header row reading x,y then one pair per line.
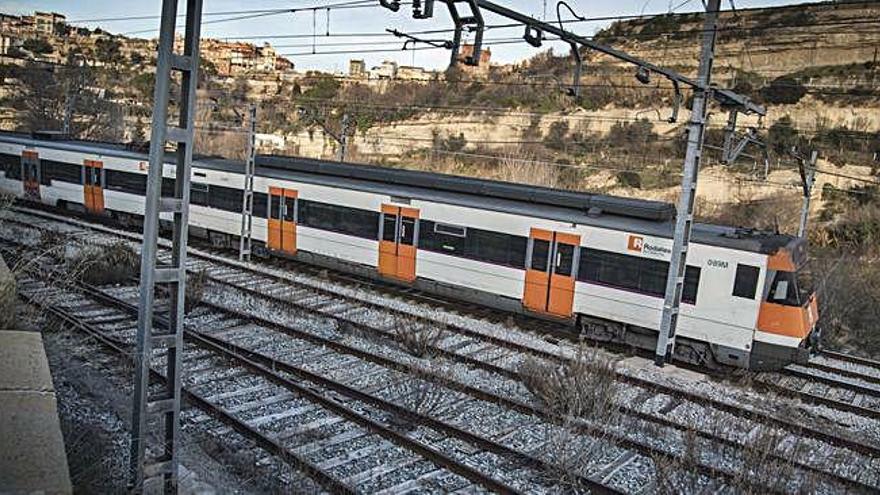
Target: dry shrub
x,y
520,167
760,471
52,239
420,394
584,386
848,289
100,265
415,337
195,289
568,454
777,214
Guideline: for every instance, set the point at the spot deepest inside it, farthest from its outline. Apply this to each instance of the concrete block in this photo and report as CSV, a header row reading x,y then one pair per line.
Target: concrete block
x,y
32,455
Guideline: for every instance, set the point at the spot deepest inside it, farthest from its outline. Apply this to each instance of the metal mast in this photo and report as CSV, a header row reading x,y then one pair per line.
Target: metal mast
x,y
164,405
685,216
808,177
247,204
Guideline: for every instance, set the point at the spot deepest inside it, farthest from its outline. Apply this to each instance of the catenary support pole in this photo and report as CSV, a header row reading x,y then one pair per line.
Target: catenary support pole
x,y
343,138
247,203
161,406
808,177
685,215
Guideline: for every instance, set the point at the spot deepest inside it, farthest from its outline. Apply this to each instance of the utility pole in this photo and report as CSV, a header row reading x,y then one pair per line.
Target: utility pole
x,y
808,178
164,405
685,216
247,204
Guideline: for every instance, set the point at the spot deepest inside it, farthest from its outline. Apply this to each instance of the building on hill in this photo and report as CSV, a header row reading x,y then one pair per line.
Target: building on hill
x,y
467,51
357,69
49,23
408,73
387,70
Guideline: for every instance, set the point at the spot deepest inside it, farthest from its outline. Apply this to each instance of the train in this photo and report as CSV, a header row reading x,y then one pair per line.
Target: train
x,y
597,263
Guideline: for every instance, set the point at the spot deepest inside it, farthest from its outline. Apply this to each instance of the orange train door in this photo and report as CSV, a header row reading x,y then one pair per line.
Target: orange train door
x,y
30,175
551,271
93,186
398,244
282,220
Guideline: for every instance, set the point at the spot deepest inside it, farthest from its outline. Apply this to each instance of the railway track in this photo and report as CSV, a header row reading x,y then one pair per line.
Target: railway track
x,y
345,431
486,352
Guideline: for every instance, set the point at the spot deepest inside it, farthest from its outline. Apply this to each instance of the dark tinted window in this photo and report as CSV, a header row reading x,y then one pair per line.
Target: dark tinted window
x,y
432,237
11,165
275,207
225,198
260,204
389,228
784,289
633,273
540,253
351,221
746,282
62,172
564,259
126,182
407,230
289,209
691,284
198,194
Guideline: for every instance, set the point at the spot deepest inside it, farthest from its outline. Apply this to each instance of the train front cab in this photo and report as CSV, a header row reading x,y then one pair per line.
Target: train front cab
x,y
788,315
551,269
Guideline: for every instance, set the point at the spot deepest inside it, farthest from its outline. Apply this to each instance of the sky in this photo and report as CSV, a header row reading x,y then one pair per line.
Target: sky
x,y
312,25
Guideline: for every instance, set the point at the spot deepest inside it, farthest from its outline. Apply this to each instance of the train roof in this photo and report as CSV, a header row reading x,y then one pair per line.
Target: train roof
x,y
633,215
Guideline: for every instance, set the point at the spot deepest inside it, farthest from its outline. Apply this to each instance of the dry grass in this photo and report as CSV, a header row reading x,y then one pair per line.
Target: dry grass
x,y
420,394
569,454
101,265
584,386
518,166
8,296
195,289
415,337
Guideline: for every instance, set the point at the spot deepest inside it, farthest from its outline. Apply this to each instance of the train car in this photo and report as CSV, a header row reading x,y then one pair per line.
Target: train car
x,y
598,262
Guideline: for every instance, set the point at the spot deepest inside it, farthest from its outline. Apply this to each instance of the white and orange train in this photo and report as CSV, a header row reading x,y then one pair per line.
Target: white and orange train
x,y
597,261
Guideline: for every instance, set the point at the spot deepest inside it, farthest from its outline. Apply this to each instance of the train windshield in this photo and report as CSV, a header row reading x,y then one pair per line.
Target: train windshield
x,y
792,288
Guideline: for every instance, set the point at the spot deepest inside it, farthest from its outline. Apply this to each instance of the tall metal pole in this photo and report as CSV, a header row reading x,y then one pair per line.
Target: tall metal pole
x,y
164,406
685,217
808,177
247,204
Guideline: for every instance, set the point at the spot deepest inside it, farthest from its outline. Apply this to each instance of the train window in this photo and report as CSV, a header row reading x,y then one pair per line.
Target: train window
x,y
11,166
784,289
260,205
453,230
225,198
333,218
564,259
198,194
62,172
691,284
289,209
275,207
746,282
433,237
540,255
168,184
633,273
126,182
407,231
389,226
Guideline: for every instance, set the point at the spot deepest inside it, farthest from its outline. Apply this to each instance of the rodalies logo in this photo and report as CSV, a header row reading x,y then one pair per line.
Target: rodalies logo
x,y
638,244
635,243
